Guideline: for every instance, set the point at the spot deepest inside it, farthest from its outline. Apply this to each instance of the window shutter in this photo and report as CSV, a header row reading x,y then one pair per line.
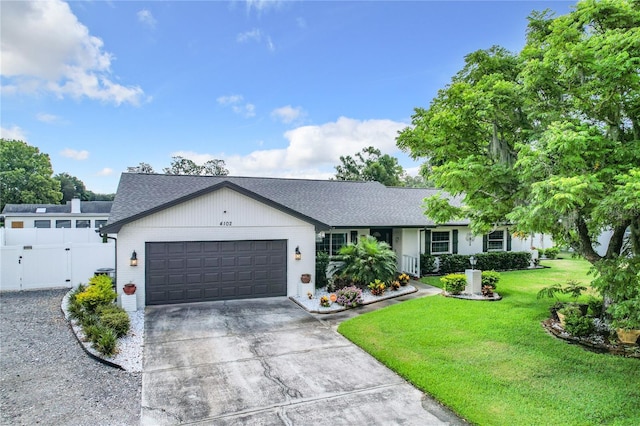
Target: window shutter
x,y
454,236
508,240
485,243
427,242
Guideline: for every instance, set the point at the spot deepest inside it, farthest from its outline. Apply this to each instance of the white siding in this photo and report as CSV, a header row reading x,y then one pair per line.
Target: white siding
x,y
223,215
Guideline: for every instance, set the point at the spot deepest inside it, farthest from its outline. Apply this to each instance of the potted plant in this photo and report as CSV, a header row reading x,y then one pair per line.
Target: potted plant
x,y
129,288
573,288
625,318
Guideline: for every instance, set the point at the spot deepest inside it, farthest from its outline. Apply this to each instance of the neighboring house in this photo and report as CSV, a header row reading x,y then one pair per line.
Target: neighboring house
x,y
74,214
202,238
52,245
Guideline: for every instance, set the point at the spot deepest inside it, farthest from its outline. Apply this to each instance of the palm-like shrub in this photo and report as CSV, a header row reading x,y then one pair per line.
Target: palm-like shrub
x,y
368,260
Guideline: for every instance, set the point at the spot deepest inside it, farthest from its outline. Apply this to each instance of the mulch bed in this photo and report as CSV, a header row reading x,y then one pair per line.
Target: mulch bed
x,y
594,343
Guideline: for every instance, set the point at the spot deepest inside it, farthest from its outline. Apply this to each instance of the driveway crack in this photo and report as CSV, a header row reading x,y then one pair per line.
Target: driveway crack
x,y
287,391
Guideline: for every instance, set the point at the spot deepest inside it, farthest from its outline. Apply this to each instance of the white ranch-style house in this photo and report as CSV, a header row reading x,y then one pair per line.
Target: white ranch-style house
x,y
202,238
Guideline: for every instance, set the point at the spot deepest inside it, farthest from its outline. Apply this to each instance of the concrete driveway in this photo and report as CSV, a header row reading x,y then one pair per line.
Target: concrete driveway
x,y
267,362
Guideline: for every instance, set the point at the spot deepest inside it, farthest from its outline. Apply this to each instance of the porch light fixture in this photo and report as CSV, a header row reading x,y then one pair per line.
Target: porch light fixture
x,y
134,259
473,261
298,255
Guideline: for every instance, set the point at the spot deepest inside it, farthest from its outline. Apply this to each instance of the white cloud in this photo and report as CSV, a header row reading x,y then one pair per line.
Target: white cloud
x,y
247,110
312,151
14,133
231,99
253,35
105,172
145,17
287,114
73,154
45,48
256,35
262,5
47,118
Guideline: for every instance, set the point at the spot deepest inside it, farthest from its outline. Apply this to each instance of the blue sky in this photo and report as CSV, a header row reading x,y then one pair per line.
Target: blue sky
x,y
274,88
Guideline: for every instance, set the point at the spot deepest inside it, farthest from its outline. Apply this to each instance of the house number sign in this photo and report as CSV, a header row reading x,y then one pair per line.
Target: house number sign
x,y
225,223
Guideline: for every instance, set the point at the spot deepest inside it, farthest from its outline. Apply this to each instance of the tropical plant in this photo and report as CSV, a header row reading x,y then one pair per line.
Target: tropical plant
x,y
324,301
368,260
626,314
377,287
490,279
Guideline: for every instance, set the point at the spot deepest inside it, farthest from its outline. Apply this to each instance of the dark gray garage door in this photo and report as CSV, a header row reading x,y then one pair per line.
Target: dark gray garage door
x,y
181,272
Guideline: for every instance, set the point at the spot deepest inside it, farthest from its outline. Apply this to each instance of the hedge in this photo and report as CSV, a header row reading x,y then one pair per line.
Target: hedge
x,y
496,261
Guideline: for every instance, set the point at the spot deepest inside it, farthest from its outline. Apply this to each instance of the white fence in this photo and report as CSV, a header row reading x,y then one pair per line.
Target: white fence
x,y
28,267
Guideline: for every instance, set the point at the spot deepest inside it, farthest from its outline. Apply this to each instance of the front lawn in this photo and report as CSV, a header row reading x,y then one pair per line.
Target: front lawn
x,y
494,364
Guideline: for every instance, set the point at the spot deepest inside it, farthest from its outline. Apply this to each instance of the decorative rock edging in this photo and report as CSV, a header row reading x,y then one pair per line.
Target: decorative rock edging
x,y
334,307
134,347
628,351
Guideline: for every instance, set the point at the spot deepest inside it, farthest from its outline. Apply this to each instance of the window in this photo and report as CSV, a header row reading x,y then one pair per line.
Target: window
x,y
331,243
440,242
17,224
495,241
63,223
83,223
100,223
42,224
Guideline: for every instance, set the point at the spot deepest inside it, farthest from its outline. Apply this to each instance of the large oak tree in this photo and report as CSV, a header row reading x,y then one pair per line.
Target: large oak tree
x,y
26,175
547,140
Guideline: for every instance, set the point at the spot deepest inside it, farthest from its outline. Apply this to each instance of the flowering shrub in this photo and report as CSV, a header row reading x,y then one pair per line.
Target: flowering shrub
x,y
403,279
377,287
324,301
395,285
349,297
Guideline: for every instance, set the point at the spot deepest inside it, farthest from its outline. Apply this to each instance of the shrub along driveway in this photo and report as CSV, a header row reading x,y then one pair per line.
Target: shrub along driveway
x,y
267,362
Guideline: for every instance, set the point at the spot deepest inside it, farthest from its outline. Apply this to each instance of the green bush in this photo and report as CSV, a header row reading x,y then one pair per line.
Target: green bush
x,y
577,324
552,252
106,341
92,332
493,261
118,321
427,263
454,283
322,262
99,292
490,278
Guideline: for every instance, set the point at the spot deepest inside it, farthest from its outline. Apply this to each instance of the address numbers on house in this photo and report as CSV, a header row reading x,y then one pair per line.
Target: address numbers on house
x,y
225,223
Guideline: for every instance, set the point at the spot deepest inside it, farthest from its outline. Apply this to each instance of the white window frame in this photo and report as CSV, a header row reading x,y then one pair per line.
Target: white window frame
x,y
449,242
503,241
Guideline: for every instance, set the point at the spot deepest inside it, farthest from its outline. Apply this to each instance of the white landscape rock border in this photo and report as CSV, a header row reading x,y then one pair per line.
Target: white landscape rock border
x,y
313,305
130,347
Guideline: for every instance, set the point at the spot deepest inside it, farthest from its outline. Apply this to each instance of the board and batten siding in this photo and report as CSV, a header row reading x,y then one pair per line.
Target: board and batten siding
x,y
223,215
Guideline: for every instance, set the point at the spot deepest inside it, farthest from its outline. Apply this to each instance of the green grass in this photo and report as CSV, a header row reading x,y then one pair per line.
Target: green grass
x,y
494,364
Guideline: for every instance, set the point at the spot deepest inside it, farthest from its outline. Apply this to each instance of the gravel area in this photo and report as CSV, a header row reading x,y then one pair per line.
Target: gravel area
x,y
45,375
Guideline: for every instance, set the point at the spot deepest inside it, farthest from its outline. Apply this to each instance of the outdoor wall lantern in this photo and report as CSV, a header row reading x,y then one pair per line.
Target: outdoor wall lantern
x,y
298,255
473,261
134,259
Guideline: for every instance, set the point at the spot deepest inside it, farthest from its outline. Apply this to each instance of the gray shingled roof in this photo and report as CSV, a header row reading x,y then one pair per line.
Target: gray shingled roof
x,y
324,203
90,207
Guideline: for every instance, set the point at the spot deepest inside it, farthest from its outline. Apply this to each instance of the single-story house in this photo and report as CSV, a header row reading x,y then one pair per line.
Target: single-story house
x,y
73,214
202,238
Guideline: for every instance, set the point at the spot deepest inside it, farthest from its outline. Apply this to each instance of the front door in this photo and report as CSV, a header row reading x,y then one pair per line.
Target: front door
x,y
383,234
